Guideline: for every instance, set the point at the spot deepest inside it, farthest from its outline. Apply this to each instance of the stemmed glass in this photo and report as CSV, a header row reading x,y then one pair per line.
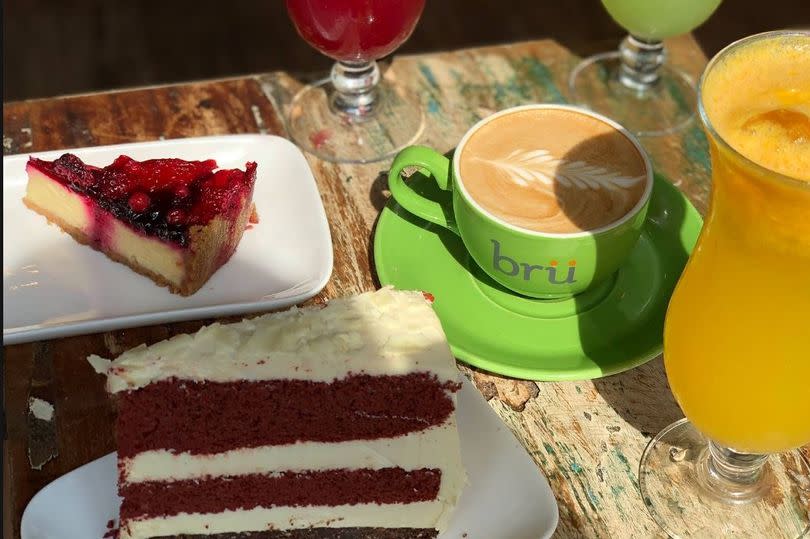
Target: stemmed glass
x,y
633,85
737,331
354,116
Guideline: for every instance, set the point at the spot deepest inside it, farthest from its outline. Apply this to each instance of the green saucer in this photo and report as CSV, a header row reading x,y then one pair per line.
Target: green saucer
x,y
609,329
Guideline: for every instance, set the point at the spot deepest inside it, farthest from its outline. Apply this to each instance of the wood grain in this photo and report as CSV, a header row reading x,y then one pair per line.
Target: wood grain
x,y
587,437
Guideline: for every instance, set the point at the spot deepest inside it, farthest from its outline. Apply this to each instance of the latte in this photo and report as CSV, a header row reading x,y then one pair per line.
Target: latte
x,y
552,170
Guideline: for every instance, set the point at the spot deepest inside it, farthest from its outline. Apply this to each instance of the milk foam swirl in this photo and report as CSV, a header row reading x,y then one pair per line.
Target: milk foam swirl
x,y
525,167
561,192
553,171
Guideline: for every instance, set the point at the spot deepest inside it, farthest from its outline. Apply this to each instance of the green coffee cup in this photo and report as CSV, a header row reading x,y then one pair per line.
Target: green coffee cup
x,y
534,263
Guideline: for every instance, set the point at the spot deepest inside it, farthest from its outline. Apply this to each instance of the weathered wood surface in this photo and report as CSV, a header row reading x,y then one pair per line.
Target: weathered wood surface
x,y
587,437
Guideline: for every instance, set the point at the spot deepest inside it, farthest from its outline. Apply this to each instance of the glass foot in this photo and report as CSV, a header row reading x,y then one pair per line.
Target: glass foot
x,y
673,481
667,107
396,121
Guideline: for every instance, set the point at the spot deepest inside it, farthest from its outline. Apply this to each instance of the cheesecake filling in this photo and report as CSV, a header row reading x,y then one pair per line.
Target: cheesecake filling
x,y
71,208
101,229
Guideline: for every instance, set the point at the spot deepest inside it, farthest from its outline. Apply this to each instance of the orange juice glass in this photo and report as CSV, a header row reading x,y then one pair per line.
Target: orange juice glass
x,y
737,333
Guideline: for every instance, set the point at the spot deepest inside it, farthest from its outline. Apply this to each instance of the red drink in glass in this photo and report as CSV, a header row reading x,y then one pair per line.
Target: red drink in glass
x,y
355,30
356,115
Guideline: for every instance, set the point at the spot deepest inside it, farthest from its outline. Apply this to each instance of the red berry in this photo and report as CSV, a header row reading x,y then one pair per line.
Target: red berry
x,y
176,217
182,192
220,179
139,202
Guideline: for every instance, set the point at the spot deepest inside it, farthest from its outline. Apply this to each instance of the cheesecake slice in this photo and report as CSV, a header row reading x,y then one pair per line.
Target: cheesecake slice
x,y
171,220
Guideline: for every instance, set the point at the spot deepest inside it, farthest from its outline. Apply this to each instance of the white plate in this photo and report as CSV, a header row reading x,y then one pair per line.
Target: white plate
x,y
55,287
506,497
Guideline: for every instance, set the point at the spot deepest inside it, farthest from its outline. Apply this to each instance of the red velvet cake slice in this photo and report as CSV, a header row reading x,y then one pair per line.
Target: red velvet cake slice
x,y
336,422
171,220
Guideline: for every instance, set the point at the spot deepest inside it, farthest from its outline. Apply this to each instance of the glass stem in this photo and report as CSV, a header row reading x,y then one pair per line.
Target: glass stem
x,y
355,93
733,476
641,62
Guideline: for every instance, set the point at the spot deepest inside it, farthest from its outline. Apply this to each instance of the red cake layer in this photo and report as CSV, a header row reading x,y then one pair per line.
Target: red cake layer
x,y
212,417
331,487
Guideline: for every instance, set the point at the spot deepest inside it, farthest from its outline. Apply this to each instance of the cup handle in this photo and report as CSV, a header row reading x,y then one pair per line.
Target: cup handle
x,y
439,168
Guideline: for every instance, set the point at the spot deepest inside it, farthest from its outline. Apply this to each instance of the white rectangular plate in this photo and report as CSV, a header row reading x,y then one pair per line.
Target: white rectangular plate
x,y
55,287
506,496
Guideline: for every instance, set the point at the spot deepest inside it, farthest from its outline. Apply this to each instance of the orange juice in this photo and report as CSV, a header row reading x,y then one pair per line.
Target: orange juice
x,y
737,334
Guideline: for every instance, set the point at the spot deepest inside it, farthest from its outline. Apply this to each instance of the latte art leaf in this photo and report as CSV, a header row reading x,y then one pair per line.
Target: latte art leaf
x,y
541,169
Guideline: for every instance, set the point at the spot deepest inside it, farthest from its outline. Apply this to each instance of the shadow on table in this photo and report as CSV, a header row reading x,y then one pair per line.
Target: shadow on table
x,y
422,182
378,193
635,325
642,397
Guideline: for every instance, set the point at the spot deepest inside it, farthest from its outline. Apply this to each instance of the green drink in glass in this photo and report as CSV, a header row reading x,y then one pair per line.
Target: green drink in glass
x,y
653,21
632,85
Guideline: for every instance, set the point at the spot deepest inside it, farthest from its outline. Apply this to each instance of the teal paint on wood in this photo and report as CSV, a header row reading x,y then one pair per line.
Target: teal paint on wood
x,y
429,76
592,498
531,68
677,96
433,104
696,147
530,82
628,470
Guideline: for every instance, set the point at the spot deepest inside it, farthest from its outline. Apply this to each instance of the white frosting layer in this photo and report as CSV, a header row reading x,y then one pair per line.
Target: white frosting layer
x,y
436,447
433,514
386,332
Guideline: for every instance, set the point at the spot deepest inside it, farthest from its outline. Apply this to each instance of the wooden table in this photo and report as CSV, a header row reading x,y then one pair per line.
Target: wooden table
x,y
587,437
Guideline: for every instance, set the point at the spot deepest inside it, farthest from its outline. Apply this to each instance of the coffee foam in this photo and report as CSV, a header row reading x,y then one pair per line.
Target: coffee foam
x,y
552,170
